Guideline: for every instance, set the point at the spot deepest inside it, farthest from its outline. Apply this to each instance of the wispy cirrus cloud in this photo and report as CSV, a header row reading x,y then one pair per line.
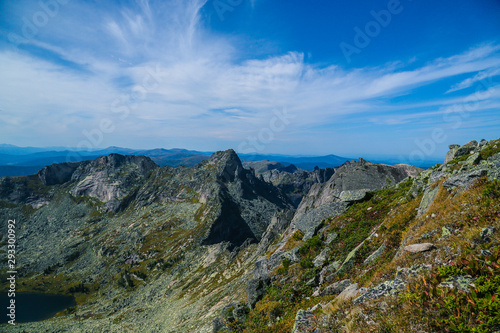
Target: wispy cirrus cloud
x,y
476,78
66,79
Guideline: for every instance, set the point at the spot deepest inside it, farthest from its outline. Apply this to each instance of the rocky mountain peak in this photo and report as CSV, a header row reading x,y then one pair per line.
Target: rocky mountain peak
x,y
468,148
114,161
58,173
228,164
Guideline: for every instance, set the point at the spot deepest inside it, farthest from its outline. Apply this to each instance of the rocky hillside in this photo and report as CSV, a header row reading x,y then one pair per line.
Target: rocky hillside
x,y
419,256
222,248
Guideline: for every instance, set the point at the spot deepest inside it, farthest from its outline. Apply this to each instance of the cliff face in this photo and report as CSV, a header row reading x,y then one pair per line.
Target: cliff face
x,y
349,183
217,247
296,183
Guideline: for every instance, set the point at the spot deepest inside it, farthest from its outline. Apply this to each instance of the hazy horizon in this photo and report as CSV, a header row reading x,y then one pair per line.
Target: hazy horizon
x,y
386,78
379,158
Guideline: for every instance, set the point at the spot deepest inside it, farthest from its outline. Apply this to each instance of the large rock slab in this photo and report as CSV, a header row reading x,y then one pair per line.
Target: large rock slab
x,y
427,200
336,288
321,258
387,288
417,248
466,179
309,221
353,196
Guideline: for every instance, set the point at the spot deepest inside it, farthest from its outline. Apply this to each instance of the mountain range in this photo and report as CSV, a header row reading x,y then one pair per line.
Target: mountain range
x,y
17,161
232,246
20,161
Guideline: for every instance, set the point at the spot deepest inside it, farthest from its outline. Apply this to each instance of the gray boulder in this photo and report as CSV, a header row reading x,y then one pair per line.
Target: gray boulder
x,y
336,288
321,258
256,289
387,288
486,233
305,322
353,196
417,248
427,200
464,180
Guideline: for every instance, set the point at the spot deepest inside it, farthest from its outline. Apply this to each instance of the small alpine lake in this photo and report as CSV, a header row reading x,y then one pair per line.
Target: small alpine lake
x,y
31,307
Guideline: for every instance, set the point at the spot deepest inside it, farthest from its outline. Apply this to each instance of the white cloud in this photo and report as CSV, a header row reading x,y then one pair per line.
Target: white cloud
x,y
476,78
204,88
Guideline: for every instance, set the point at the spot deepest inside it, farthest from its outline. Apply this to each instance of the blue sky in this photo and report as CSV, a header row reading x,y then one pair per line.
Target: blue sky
x,y
354,78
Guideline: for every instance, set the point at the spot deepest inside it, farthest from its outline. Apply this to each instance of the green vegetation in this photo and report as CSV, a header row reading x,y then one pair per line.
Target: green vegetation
x,y
443,309
492,149
298,235
390,215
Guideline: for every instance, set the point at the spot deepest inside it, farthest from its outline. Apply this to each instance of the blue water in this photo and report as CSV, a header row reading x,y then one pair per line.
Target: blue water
x,y
34,306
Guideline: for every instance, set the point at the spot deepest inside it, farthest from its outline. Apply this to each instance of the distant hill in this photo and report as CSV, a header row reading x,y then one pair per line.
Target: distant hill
x,y
29,159
303,162
18,161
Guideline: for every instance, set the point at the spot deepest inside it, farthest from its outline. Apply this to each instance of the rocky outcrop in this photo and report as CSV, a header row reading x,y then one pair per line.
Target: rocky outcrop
x,y
464,180
336,288
309,221
428,198
276,228
111,179
264,265
463,166
349,183
458,151
391,287
256,289
266,165
229,226
58,173
305,322
296,183
243,204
